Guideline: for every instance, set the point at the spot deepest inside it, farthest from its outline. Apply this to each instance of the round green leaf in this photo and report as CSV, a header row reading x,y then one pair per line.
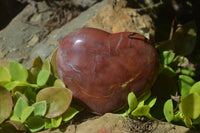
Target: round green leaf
x,y
43,77
132,102
26,113
4,74
20,105
59,83
70,113
17,71
46,65
190,106
35,123
58,100
37,62
56,121
195,88
185,83
6,104
40,108
168,57
168,110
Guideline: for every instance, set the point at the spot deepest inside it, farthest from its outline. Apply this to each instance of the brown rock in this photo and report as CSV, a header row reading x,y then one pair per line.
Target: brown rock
x,y
117,18
102,68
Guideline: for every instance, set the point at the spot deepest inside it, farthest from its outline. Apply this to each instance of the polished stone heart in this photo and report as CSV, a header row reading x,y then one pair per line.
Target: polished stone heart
x,y
102,68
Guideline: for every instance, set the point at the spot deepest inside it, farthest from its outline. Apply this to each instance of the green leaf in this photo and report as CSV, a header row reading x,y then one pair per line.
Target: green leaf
x,y
20,105
69,114
40,108
12,85
132,102
178,116
168,110
6,104
59,83
187,121
14,118
141,111
17,71
46,65
34,70
35,123
4,74
168,57
184,38
189,106
187,71
37,62
43,77
58,100
140,103
19,94
185,83
151,101
3,83
48,124
26,113
195,88
56,121
53,63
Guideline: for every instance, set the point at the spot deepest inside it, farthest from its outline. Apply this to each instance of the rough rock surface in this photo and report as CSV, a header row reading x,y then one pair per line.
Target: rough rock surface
x,y
113,123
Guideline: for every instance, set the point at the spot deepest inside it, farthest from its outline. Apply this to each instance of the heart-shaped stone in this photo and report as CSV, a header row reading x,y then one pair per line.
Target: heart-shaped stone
x,y
102,68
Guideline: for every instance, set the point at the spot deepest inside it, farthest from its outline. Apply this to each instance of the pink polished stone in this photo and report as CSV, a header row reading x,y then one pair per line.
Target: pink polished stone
x,y
102,68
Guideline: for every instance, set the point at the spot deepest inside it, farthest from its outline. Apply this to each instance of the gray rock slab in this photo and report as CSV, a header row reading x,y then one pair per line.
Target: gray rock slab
x,y
22,34
22,41
86,3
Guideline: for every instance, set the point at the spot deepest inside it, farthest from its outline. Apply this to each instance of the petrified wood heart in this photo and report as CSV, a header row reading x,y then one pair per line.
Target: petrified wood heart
x,y
102,68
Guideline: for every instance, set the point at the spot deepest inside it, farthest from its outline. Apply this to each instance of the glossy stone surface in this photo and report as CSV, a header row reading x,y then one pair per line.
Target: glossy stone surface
x,y
102,68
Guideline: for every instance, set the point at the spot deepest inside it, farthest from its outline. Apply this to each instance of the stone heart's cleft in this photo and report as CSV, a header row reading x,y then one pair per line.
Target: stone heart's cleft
x,y
101,68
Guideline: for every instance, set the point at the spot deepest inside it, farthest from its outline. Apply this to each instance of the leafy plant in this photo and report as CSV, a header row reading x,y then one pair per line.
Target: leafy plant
x,y
40,99
175,95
